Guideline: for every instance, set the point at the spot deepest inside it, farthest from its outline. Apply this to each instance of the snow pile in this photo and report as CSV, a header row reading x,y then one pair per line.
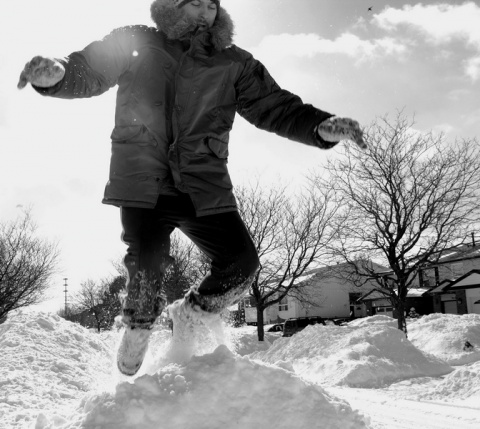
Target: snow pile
x,y
444,336
462,384
217,390
370,354
58,375
46,362
374,320
245,340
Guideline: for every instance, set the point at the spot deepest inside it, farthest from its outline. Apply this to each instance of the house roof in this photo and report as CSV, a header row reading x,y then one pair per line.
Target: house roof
x,y
416,292
467,281
441,286
377,294
373,295
459,253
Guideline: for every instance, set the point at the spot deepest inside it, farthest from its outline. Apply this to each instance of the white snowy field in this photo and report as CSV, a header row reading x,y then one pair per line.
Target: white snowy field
x,y
56,374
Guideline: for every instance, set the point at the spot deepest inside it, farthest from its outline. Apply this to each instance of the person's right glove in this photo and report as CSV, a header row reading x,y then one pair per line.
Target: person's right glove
x,y
335,129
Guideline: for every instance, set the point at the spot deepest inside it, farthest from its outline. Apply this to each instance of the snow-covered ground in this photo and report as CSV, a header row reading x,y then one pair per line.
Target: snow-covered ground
x,y
56,374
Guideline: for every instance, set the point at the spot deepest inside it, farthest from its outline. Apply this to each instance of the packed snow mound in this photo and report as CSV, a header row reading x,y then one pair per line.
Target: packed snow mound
x,y
46,362
370,355
462,384
444,336
374,320
215,391
57,375
244,340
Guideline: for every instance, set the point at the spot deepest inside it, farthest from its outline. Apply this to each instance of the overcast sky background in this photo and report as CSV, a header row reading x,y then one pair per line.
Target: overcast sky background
x,y
423,58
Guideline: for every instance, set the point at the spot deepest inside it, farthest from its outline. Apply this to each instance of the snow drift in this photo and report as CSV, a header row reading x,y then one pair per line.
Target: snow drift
x,y
60,375
362,355
444,335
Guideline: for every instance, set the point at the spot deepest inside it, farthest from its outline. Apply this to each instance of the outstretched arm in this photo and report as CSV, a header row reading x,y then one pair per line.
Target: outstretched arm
x,y
85,73
263,103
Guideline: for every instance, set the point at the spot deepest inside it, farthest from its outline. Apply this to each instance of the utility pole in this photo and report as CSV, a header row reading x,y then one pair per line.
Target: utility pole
x,y
66,305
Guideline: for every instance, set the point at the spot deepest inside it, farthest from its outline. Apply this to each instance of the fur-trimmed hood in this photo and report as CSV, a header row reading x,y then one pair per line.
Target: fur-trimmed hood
x,y
176,24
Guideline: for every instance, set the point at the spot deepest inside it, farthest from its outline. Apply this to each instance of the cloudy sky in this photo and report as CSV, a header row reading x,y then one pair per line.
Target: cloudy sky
x,y
423,58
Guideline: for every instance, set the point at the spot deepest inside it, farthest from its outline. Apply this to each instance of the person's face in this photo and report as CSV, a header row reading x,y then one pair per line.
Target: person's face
x,y
203,12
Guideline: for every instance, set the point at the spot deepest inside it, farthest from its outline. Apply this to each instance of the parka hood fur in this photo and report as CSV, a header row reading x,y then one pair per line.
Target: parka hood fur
x,y
175,23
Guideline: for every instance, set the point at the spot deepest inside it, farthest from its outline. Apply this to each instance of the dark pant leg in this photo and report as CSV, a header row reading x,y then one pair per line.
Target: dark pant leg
x,y
226,240
147,236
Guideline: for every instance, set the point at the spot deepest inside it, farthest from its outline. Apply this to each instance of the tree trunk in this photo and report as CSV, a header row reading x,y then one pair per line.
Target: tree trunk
x,y
402,325
260,330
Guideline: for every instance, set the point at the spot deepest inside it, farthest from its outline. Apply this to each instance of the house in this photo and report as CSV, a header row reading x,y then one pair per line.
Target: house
x,y
451,284
460,296
455,279
326,294
377,302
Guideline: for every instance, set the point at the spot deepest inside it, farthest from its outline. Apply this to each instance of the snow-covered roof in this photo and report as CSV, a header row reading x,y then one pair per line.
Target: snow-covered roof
x,y
378,294
470,279
459,253
302,279
440,288
415,293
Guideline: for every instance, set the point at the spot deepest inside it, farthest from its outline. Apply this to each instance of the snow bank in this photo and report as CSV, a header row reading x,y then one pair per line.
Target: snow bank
x,y
370,354
463,384
217,390
374,320
45,363
444,336
58,375
244,340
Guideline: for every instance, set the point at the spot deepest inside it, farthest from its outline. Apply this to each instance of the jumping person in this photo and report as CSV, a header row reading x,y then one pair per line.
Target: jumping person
x,y
179,87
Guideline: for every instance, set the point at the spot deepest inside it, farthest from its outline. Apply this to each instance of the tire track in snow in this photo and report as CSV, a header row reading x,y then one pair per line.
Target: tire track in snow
x,y
392,413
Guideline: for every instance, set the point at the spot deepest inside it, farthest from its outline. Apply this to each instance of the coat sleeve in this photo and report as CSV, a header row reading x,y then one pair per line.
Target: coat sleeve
x,y
262,102
95,69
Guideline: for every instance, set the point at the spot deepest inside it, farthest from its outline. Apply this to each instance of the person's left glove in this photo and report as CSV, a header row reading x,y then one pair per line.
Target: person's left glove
x,y
41,71
335,129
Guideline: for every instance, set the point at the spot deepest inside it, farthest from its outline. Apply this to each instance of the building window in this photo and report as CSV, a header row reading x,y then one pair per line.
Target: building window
x,y
428,277
283,304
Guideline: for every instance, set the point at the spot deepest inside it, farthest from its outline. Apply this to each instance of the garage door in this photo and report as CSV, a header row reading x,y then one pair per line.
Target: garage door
x,y
450,307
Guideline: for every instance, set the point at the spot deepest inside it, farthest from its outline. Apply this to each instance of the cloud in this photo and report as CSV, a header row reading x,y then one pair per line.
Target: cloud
x,y
440,24
310,45
472,68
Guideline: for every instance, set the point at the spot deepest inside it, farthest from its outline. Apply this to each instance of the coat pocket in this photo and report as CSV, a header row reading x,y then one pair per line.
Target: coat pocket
x,y
132,134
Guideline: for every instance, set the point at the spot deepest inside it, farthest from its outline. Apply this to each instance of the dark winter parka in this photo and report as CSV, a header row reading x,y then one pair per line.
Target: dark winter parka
x,y
176,102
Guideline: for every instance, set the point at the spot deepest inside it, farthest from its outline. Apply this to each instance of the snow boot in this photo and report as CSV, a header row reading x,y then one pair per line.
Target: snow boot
x,y
132,349
186,315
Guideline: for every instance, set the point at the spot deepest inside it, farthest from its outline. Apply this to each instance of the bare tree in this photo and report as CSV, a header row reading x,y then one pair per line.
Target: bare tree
x,y
410,196
27,263
96,304
188,267
88,300
291,234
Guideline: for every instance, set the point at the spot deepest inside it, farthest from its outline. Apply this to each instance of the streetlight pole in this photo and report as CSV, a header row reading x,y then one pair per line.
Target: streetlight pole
x,y
66,305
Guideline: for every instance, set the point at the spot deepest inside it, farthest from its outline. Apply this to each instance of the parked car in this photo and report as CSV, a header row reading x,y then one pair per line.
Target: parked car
x,y
278,327
294,325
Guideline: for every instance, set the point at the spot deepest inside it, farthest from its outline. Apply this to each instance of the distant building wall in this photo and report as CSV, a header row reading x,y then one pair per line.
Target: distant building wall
x,y
472,296
329,297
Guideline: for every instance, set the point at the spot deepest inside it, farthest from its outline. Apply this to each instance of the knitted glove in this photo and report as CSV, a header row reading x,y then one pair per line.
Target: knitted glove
x,y
335,129
41,71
